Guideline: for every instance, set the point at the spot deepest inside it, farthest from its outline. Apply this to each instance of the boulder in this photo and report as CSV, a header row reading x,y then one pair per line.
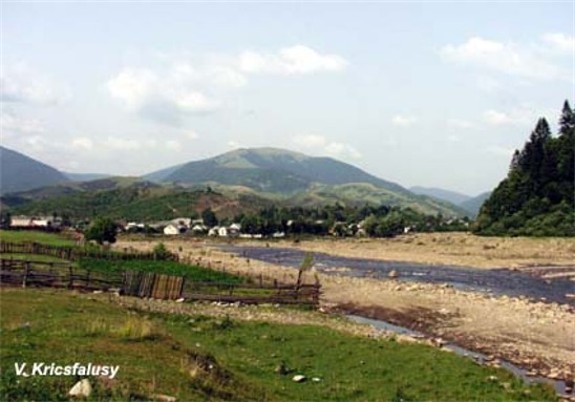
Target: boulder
x,y
82,389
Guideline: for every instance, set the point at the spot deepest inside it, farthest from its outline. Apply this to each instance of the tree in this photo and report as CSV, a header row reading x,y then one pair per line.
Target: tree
x,y
102,230
538,192
209,218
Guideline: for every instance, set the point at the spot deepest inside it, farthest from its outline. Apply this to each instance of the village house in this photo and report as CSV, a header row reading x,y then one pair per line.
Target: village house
x,y
174,229
22,221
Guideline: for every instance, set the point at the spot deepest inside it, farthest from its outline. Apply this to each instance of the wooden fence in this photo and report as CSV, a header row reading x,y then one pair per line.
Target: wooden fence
x,y
75,253
28,273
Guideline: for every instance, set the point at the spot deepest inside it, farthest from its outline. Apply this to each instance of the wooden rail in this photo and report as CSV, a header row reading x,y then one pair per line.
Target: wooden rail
x,y
28,273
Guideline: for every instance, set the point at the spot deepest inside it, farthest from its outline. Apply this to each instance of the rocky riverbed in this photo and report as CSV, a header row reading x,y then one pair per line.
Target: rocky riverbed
x,y
534,334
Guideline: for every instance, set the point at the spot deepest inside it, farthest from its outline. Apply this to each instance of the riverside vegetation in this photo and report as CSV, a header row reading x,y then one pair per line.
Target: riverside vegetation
x,y
194,356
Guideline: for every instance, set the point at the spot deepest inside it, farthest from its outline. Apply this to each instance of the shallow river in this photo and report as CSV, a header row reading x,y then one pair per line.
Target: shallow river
x,y
495,281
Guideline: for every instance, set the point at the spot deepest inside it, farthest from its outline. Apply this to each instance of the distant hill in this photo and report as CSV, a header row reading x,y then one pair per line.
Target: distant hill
x,y
136,201
271,171
19,172
446,195
85,176
467,203
537,198
473,205
161,175
245,179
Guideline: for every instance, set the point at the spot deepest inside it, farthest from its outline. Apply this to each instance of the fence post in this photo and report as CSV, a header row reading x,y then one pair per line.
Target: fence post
x,y
26,271
70,277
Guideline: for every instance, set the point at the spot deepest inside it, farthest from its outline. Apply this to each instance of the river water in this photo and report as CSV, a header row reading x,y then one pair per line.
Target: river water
x,y
494,281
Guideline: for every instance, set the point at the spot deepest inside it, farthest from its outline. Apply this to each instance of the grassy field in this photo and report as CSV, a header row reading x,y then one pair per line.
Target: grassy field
x,y
52,239
192,272
202,357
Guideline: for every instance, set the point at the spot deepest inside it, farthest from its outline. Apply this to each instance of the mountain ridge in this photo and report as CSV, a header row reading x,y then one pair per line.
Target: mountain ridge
x,y
20,172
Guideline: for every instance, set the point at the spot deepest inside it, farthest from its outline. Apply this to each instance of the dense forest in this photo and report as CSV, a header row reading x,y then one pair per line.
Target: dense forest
x,y
537,196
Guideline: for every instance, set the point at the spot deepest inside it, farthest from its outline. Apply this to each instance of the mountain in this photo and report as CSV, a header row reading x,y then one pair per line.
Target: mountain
x,y
299,178
467,203
446,195
19,172
272,170
161,175
473,205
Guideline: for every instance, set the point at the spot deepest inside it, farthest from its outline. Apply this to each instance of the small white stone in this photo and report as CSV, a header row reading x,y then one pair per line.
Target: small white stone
x,y
82,389
299,378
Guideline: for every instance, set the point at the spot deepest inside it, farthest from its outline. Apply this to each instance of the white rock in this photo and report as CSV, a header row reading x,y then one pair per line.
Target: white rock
x,y
299,378
316,379
163,398
82,389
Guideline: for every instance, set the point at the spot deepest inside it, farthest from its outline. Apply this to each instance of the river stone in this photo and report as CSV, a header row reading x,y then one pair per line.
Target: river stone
x,y
393,274
163,398
299,378
81,389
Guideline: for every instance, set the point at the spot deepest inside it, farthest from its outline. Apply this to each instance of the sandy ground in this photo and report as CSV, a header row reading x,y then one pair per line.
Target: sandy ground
x,y
531,334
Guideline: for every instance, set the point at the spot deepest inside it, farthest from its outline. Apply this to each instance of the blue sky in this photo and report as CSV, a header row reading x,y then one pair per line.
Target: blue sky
x,y
420,93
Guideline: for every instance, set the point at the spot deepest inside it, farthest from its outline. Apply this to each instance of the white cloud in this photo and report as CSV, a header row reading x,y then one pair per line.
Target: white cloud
x,y
560,43
11,123
403,121
162,97
459,123
192,135
513,117
310,141
297,59
318,144
20,83
82,143
508,58
194,102
173,145
134,87
122,144
342,150
36,142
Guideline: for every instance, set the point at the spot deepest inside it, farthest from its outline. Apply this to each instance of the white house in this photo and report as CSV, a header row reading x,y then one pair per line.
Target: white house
x,y
172,229
199,228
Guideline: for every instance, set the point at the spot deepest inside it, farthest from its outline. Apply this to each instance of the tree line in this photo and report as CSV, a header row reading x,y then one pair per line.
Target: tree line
x,y
537,196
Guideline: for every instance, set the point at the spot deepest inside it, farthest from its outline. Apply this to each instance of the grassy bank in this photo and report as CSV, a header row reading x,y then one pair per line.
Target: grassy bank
x,y
192,272
194,357
22,236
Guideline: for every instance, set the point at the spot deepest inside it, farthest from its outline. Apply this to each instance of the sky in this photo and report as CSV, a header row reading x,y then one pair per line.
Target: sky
x,y
436,94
